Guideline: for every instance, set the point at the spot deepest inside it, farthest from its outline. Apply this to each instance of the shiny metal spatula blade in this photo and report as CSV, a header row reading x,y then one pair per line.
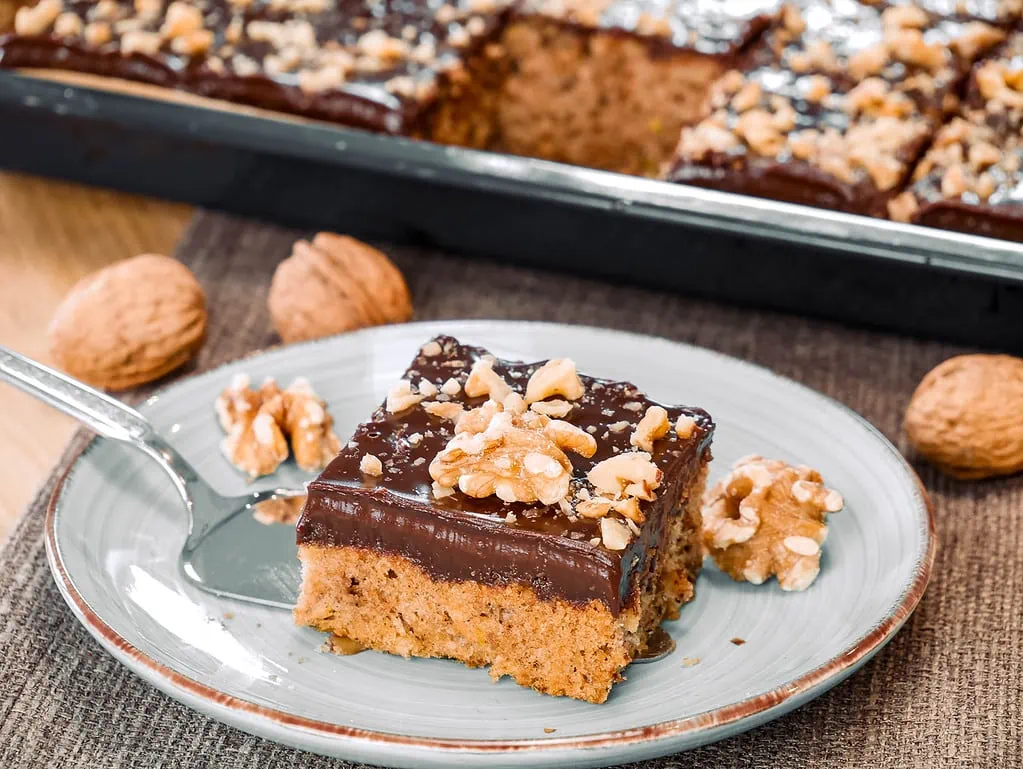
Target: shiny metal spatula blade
x,y
228,551
244,559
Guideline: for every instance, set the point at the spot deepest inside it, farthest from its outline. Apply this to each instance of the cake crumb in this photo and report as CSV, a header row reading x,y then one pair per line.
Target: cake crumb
x,y
549,730
688,662
738,641
228,615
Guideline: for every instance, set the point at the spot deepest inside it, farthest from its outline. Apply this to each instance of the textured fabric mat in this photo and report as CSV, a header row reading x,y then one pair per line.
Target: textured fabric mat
x,y
947,691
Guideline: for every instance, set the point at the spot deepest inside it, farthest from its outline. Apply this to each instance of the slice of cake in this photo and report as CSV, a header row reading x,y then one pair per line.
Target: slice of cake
x,y
609,83
397,68
508,514
834,106
971,177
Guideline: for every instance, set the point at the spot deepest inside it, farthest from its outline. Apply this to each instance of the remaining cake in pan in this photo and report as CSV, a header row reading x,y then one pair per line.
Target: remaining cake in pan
x,y
833,107
508,514
399,68
606,84
609,83
971,179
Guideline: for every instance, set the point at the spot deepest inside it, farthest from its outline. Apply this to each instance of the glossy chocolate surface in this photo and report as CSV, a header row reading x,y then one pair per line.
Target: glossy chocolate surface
x,y
463,538
407,42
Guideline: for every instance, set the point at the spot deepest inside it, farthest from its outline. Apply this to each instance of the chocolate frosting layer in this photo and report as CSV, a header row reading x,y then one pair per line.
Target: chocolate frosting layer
x,y
464,538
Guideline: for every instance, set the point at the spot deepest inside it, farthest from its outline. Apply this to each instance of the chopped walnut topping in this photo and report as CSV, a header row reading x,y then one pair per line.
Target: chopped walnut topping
x,y
568,437
652,426
793,19
556,409
705,138
513,462
147,43
400,397
816,88
447,410
193,44
181,19
451,387
748,96
1000,84
427,388
685,426
244,66
953,183
982,155
614,534
370,464
632,474
431,349
903,207
904,17
483,380
768,518
758,129
35,20
555,377
868,61
514,403
976,38
439,491
67,25
379,45
322,79
97,33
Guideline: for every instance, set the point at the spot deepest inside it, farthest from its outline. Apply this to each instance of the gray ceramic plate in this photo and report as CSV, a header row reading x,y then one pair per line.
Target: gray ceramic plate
x,y
115,528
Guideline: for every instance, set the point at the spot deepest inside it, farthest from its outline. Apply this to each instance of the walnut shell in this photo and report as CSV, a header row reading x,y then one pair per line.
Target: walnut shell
x,y
966,416
129,323
335,284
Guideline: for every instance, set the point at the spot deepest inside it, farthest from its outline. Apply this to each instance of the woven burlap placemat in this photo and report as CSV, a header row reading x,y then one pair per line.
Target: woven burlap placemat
x,y
947,691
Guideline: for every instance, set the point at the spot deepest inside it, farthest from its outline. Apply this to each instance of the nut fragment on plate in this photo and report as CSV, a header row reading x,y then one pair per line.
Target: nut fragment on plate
x,y
129,323
966,416
261,423
335,284
768,518
286,510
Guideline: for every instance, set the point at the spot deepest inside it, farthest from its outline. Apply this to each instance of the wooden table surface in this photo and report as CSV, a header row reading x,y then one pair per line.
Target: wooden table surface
x,y
52,234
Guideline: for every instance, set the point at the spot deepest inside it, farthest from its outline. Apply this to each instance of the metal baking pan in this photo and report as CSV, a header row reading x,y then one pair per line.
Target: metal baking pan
x,y
595,223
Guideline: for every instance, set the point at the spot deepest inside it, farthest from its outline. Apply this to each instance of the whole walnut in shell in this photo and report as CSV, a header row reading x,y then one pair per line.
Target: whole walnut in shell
x,y
335,284
966,416
129,323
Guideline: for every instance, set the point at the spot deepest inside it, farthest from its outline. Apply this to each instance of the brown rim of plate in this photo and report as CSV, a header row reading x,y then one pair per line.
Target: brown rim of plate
x,y
701,722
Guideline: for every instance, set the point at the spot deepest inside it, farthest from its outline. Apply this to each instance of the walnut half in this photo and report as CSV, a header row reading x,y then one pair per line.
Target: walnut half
x,y
768,518
261,423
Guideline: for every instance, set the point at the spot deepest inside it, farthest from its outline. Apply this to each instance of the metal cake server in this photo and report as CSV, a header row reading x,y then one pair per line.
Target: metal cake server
x,y
227,551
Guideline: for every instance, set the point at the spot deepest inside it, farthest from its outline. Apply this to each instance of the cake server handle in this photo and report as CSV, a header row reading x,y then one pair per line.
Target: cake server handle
x,y
97,410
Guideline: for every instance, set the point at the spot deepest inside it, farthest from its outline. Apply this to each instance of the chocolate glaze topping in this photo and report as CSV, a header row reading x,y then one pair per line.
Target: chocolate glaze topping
x,y
849,95
971,179
464,538
372,64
